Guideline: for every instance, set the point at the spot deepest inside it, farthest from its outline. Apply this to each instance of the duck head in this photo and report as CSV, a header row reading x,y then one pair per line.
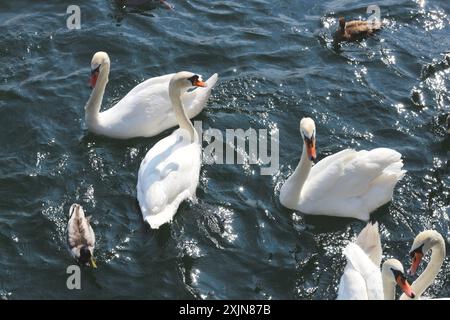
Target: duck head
x,y
86,256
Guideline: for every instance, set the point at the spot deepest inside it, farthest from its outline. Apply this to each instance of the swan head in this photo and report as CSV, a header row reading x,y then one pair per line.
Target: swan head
x,y
98,62
308,131
423,242
185,80
448,123
392,270
86,256
342,23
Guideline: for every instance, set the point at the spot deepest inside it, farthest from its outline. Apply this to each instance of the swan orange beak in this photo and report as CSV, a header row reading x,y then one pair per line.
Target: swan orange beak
x,y
311,148
416,259
93,80
94,77
199,83
404,286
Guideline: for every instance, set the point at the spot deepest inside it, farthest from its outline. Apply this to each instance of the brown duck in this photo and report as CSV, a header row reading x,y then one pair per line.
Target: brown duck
x,y
356,29
80,236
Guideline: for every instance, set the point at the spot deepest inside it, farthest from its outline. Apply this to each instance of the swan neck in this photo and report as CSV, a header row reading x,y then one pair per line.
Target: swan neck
x,y
429,274
182,118
298,179
303,169
388,288
95,100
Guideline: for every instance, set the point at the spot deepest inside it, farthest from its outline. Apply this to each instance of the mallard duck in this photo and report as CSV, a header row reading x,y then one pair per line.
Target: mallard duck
x,y
356,29
80,236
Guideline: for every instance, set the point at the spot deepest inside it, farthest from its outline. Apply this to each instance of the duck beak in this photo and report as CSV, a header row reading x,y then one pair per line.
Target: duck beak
x,y
404,286
311,148
417,258
199,83
93,264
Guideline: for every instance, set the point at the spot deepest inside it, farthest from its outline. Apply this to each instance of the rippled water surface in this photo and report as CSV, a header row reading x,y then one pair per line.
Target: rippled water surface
x,y
277,63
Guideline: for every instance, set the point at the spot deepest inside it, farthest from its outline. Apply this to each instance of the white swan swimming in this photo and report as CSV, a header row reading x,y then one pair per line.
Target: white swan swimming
x,y
80,236
145,111
362,278
346,184
170,170
425,241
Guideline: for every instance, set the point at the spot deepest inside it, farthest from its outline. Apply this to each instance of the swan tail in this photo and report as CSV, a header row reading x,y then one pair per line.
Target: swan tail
x,y
157,220
395,170
369,241
383,186
211,82
154,207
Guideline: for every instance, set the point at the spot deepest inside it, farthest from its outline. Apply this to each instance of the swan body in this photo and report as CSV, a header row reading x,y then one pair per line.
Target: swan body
x,y
80,236
356,29
346,184
170,171
362,278
145,111
428,240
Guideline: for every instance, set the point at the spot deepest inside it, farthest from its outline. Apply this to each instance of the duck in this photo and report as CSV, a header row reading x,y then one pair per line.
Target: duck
x,y
169,172
145,111
362,278
356,29
348,183
80,236
426,241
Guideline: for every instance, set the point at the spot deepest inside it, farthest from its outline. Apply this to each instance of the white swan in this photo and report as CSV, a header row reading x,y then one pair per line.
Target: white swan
x,y
425,241
362,278
346,184
80,236
145,111
170,170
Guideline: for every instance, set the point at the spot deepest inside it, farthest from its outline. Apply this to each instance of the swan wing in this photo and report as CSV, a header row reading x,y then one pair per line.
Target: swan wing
x,y
361,279
168,175
352,183
147,111
147,85
369,241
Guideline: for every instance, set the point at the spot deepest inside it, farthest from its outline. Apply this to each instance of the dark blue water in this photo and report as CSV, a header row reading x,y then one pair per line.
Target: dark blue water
x,y
277,63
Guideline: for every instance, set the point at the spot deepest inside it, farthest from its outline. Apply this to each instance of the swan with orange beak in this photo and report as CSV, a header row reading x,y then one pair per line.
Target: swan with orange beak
x,y
349,183
146,110
424,242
